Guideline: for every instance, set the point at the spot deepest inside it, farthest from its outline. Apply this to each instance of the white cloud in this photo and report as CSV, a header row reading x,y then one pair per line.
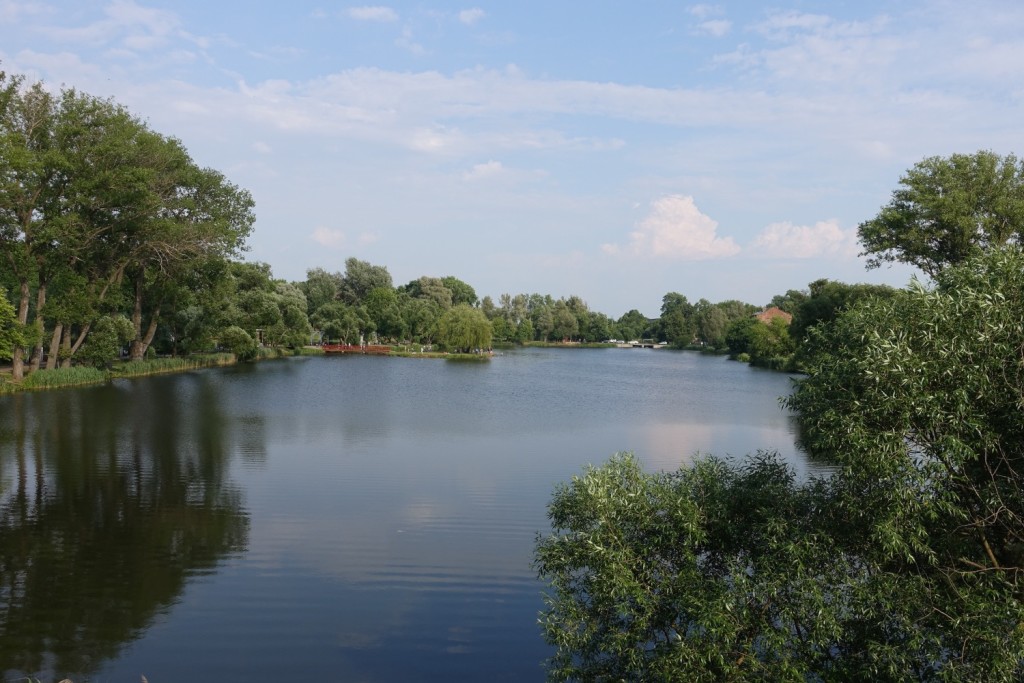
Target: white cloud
x,y
805,48
10,10
373,13
823,239
716,27
326,237
705,10
126,24
676,229
471,16
406,42
262,147
486,170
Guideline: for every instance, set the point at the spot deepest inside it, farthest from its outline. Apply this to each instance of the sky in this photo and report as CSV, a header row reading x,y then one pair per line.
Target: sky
x,y
609,150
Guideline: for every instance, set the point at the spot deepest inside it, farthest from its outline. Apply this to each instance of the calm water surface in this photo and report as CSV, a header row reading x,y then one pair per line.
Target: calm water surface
x,y
315,519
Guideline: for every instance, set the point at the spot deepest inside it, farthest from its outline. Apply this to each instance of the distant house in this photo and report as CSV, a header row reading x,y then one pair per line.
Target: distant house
x,y
769,314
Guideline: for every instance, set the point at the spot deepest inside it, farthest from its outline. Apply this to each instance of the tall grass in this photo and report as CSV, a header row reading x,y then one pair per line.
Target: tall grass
x,y
63,377
138,368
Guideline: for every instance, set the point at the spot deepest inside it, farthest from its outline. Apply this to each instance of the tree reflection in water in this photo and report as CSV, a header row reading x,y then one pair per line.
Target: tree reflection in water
x,y
109,503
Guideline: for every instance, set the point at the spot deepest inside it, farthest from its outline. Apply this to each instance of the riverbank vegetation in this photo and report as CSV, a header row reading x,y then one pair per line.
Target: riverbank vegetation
x,y
906,563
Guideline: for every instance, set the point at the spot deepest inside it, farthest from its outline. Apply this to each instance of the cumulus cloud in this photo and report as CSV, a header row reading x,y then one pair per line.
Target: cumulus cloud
x,y
676,229
823,239
471,16
373,13
326,237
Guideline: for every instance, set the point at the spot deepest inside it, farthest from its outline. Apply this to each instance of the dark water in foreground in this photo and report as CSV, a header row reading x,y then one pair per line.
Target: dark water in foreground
x,y
327,519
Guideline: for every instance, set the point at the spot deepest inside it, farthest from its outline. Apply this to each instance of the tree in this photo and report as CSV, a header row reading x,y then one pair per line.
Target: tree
x,y
827,299
361,278
431,289
462,293
924,390
464,329
906,564
712,572
564,324
98,213
739,334
712,323
10,333
239,342
320,287
420,318
676,322
948,209
339,321
788,302
109,334
632,325
382,306
292,329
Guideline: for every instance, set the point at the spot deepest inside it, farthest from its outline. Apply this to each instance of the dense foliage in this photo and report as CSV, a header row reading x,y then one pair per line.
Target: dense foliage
x,y
907,564
101,216
947,210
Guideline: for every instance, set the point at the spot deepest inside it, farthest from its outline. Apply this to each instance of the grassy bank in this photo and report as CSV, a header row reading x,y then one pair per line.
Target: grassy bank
x,y
569,345
80,375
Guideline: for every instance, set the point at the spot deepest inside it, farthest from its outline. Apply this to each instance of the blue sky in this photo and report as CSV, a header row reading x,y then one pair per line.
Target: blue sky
x,y
615,151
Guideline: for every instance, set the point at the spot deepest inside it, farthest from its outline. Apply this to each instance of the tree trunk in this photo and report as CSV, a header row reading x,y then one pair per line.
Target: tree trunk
x,y
143,344
72,350
66,346
137,350
51,356
37,353
18,359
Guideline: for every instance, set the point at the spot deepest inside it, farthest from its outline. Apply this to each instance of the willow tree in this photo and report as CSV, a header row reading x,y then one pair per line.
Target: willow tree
x,y
463,328
906,564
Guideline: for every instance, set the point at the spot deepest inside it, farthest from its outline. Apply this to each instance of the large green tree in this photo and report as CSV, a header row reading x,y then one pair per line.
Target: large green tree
x,y
906,564
100,215
948,209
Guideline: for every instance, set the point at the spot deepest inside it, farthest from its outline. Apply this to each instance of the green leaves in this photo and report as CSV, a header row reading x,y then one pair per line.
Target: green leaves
x,y
907,564
947,210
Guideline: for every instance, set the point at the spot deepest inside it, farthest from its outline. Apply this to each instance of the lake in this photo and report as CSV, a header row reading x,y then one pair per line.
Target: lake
x,y
345,518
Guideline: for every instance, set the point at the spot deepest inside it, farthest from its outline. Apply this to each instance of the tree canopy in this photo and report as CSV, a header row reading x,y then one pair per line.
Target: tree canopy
x,y
906,564
100,215
946,210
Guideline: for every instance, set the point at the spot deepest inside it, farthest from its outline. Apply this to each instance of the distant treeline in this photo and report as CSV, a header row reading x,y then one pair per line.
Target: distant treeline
x,y
115,243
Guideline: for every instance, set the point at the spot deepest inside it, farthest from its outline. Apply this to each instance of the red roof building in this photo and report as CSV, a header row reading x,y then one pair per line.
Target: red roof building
x,y
770,314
